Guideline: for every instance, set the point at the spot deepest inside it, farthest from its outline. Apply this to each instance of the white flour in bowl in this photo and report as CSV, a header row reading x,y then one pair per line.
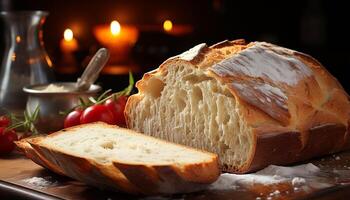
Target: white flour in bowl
x,y
55,88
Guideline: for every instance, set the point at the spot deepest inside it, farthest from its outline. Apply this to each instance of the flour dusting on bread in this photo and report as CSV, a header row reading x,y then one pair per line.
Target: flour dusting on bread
x,y
253,104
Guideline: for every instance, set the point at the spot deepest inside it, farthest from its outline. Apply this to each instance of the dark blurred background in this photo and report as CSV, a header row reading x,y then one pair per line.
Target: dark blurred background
x,y
318,28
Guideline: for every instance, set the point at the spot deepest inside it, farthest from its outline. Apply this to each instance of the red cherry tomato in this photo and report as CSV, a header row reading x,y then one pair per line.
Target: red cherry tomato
x,y
4,121
117,107
97,113
7,139
73,118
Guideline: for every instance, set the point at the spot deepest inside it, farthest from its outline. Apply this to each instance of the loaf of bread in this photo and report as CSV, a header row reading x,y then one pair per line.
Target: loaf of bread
x,y
253,104
120,159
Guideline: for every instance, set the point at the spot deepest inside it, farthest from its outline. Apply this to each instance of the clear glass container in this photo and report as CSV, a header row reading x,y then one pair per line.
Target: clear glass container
x,y
25,61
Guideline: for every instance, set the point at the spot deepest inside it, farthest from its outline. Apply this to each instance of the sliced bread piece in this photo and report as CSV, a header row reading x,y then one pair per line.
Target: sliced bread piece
x,y
24,146
107,156
254,104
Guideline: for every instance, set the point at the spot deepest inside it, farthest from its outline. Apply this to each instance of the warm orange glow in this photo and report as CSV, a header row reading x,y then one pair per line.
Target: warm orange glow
x,y
13,57
68,43
167,25
120,44
115,27
68,34
115,69
48,60
18,39
127,36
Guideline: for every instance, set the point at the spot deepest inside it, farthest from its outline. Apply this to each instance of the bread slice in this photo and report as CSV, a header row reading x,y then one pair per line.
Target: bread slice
x,y
107,156
24,146
252,104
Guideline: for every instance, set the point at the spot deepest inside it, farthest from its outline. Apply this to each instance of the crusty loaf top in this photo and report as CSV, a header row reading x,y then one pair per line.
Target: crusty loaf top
x,y
279,89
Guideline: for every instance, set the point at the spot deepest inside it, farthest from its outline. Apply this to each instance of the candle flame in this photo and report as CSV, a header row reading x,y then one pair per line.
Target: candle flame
x,y
13,56
167,25
68,34
18,39
115,27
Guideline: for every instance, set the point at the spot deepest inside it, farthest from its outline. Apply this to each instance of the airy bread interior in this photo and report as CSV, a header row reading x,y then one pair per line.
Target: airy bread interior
x,y
186,106
106,144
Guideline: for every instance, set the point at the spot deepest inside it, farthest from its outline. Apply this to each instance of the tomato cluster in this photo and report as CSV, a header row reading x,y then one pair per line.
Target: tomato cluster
x,y
7,136
111,112
109,109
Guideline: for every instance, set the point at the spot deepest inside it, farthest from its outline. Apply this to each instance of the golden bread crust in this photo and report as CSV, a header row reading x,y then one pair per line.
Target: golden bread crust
x,y
282,95
128,177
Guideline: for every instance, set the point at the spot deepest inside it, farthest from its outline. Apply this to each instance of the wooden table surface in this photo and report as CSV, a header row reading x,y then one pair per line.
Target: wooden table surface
x,y
14,169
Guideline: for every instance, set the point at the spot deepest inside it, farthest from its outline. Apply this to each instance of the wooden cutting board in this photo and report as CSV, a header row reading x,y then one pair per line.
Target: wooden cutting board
x,y
15,170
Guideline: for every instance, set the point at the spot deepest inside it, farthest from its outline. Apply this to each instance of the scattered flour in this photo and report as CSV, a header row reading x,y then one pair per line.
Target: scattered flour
x,y
270,175
232,181
192,53
275,193
291,172
297,181
38,182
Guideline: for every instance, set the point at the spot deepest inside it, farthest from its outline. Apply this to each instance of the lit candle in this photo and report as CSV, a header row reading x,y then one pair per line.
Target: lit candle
x,y
167,25
176,29
68,43
115,28
116,36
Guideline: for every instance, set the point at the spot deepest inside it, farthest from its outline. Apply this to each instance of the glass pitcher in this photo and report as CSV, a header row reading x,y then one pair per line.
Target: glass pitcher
x,y
25,61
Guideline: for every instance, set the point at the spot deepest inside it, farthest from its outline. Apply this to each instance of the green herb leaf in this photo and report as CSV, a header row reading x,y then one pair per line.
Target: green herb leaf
x,y
27,125
103,95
